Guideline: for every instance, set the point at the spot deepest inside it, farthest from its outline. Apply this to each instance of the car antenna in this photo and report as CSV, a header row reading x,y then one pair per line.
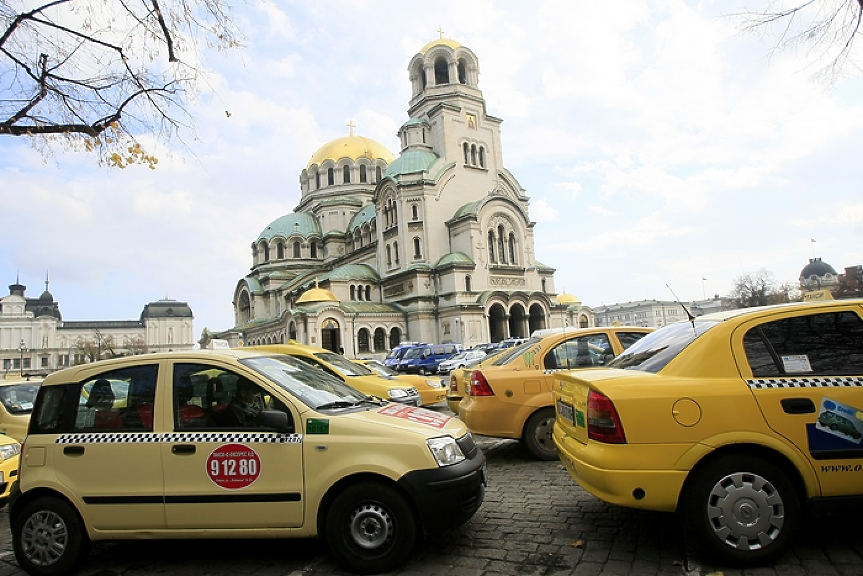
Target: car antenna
x,y
685,309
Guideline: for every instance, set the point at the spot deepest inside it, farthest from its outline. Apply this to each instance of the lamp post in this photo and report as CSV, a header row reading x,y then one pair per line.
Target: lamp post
x,y
21,348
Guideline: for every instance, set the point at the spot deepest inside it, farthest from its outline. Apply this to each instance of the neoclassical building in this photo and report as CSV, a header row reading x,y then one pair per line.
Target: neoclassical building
x,y
434,244
34,338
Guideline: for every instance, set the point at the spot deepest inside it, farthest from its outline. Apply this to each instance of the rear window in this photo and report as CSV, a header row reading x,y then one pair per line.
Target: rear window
x,y
514,352
653,352
19,398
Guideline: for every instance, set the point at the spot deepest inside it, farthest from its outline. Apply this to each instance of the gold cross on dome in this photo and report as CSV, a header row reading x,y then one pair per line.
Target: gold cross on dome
x,y
440,31
351,125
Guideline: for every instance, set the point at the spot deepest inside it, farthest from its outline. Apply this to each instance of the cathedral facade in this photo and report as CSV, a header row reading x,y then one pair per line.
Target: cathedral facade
x,y
432,245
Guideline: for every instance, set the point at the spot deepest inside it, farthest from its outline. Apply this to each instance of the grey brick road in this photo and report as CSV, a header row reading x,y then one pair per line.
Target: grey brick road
x,y
535,521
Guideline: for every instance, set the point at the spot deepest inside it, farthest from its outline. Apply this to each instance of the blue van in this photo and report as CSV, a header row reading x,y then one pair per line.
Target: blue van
x,y
424,358
395,355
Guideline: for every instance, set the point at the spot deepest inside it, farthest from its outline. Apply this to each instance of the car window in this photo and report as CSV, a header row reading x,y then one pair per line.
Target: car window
x,y
121,399
343,365
581,352
653,352
830,343
19,398
627,339
413,353
513,353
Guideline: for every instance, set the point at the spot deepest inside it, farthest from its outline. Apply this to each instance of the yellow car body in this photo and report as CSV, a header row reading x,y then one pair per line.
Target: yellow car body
x,y
512,397
10,449
431,390
459,378
234,444
16,403
738,419
356,375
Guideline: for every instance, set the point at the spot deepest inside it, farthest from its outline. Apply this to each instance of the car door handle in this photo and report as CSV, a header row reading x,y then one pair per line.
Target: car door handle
x,y
73,450
183,449
798,405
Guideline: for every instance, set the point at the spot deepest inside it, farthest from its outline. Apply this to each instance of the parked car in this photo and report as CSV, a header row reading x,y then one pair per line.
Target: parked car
x,y
360,377
512,397
722,419
459,378
16,403
396,354
10,449
460,360
425,358
431,390
296,453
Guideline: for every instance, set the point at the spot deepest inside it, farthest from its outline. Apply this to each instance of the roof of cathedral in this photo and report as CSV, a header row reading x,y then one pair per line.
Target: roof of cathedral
x,y
411,161
353,147
316,294
301,223
362,217
564,298
167,309
350,272
467,209
455,258
440,42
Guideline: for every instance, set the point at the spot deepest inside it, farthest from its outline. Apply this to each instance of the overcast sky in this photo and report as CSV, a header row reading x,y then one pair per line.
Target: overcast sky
x,y
658,145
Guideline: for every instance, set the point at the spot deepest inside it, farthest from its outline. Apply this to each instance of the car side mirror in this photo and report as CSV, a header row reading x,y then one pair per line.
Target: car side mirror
x,y
276,420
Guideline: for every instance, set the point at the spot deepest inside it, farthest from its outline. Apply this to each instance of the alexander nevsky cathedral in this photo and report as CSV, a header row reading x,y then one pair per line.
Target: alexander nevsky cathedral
x,y
434,244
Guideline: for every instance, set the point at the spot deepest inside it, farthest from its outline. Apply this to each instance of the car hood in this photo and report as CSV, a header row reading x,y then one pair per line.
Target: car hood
x,y
393,419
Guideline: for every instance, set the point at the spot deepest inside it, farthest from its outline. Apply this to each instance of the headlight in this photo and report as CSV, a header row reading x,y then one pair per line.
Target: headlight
x,y
445,450
9,450
434,383
397,393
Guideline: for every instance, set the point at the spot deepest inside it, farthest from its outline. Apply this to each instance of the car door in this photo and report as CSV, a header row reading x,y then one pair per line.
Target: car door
x,y
805,371
108,455
223,469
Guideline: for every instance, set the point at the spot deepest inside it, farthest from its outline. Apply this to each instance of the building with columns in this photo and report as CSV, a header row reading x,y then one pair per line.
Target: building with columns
x,y
434,244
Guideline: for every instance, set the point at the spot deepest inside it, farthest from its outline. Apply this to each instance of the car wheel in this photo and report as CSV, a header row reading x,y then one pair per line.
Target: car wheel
x,y
423,371
49,537
371,528
742,510
538,434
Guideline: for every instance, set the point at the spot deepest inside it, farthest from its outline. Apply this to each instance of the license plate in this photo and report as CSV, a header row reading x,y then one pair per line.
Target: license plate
x,y
565,411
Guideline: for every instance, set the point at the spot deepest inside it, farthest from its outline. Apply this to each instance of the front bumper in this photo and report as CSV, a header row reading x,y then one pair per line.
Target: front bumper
x,y
449,496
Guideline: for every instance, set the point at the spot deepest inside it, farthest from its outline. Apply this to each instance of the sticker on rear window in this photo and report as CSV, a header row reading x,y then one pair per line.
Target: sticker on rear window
x,y
233,466
418,415
796,363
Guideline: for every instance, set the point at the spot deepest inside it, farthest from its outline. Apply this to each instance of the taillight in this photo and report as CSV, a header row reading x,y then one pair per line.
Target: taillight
x,y
603,422
453,383
479,385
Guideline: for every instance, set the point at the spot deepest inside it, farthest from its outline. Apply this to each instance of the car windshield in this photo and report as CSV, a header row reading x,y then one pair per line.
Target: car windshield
x,y
381,369
514,352
459,356
653,352
18,398
413,353
343,365
312,386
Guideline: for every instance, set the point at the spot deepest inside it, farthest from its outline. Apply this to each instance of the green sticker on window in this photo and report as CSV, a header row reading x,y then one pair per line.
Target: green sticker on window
x,y
579,418
317,426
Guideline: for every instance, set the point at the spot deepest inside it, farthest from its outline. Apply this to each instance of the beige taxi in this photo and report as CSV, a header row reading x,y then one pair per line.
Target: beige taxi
x,y
430,388
16,403
234,444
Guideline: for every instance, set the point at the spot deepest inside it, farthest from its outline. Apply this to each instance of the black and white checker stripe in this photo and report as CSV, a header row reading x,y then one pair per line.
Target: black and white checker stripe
x,y
189,437
823,382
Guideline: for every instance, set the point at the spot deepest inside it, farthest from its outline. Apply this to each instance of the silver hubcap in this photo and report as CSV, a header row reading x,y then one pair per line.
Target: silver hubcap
x,y
746,511
44,538
371,526
543,434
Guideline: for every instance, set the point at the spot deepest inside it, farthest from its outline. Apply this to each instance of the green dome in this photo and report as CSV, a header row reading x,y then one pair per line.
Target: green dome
x,y
410,162
301,223
362,217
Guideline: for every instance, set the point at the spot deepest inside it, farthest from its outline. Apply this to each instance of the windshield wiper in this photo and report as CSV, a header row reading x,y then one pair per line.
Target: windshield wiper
x,y
337,405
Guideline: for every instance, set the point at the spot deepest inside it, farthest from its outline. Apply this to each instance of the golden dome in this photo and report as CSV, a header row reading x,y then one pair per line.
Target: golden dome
x,y
567,299
316,294
440,42
353,147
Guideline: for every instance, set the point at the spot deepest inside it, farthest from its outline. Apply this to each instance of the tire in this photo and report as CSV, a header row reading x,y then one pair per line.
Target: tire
x,y
49,537
537,435
423,371
371,528
742,510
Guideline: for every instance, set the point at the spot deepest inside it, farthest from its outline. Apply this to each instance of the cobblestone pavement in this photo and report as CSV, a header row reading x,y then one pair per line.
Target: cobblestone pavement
x,y
535,521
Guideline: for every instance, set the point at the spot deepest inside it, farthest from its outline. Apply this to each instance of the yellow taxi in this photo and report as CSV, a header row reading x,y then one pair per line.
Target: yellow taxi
x,y
9,451
16,403
356,375
234,444
731,419
512,397
431,390
459,378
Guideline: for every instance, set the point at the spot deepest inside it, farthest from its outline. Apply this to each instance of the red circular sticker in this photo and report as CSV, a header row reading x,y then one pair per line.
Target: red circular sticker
x,y
233,466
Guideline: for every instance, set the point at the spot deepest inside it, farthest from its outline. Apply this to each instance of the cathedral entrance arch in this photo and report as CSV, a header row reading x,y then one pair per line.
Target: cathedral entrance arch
x,y
536,320
331,335
395,337
497,327
517,321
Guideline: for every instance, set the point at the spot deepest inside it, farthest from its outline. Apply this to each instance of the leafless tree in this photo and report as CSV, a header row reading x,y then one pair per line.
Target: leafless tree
x,y
828,29
98,72
760,289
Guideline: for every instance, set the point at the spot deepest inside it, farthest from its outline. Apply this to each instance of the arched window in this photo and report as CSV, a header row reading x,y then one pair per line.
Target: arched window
x,y
317,180
280,251
491,247
368,293
414,212
396,252
346,174
395,337
473,155
363,173
363,340
441,72
417,252
389,256
467,286
500,241
380,339
292,331
296,249
462,72
314,248
481,157
543,285
266,252
512,248
466,153
353,293
331,176
378,174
